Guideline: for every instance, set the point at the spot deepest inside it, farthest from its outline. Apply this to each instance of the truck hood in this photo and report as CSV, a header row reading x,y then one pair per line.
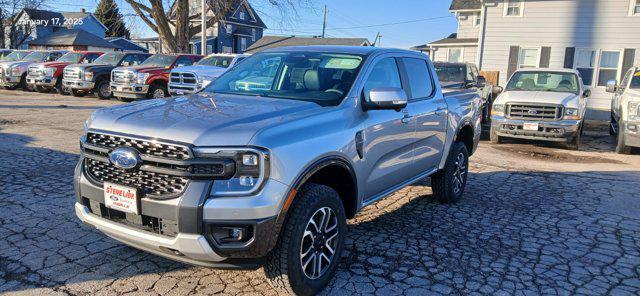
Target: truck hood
x,y
54,64
92,67
203,119
211,71
17,63
569,100
145,69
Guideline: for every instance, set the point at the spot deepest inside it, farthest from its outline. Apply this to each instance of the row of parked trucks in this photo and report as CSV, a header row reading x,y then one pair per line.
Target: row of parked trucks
x,y
124,75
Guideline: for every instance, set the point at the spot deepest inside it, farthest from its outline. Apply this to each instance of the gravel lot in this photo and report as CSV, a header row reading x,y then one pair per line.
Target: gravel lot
x,y
535,219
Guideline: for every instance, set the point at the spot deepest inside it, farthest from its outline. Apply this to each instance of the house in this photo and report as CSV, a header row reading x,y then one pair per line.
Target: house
x,y
36,23
596,37
72,39
151,44
268,42
126,45
237,31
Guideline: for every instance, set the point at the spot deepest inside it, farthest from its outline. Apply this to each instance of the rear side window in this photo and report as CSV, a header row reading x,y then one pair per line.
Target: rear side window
x,y
384,74
141,58
90,58
184,61
420,80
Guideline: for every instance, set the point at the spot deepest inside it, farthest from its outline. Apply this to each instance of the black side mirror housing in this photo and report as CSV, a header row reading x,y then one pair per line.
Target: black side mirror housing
x,y
586,93
482,82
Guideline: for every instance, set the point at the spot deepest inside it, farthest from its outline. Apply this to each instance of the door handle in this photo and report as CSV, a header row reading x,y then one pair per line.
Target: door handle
x,y
406,118
440,110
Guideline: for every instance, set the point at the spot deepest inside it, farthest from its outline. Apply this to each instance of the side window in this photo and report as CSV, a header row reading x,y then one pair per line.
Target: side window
x,y
184,61
53,56
420,79
475,71
470,75
129,60
90,58
384,74
141,58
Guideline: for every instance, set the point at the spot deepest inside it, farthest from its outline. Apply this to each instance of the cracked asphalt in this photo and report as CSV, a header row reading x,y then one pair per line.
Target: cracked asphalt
x,y
534,219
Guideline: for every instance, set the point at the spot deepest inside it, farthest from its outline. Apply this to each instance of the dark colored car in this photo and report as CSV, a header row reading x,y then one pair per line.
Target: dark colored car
x,y
465,76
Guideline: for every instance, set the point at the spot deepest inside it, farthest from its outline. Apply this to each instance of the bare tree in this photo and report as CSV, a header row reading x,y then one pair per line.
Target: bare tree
x,y
175,25
18,32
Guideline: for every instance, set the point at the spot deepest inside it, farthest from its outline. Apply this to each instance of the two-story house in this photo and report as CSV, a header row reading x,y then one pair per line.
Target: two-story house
x,y
35,23
599,38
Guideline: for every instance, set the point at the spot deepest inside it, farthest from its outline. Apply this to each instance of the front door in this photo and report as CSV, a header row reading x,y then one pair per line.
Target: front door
x,y
388,135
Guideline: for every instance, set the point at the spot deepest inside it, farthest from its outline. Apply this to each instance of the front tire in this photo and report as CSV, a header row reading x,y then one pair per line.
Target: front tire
x,y
158,91
493,136
311,243
621,147
449,183
102,90
575,143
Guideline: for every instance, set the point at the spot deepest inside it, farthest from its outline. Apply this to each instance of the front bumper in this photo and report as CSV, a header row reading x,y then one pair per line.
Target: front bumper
x,y
177,89
556,131
10,80
632,133
46,81
194,215
132,91
78,84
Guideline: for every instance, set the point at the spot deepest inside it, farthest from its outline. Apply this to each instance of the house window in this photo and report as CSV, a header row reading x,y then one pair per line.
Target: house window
x,y
253,34
513,7
529,57
609,66
243,43
209,49
454,55
585,63
476,19
229,29
634,7
242,15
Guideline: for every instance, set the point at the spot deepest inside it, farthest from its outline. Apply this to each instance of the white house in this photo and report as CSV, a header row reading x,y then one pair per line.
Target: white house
x,y
599,38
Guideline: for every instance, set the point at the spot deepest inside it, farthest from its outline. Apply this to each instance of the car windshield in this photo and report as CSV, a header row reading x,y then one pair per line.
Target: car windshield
x,y
544,81
323,78
109,59
159,60
36,56
635,82
450,73
217,61
70,57
16,55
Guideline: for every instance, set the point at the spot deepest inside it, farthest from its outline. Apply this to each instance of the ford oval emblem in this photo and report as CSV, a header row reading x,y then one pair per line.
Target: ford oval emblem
x,y
533,112
125,158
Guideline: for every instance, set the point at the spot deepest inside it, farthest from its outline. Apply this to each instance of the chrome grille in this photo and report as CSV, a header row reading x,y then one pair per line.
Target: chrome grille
x,y
144,147
72,73
35,71
534,111
184,78
122,76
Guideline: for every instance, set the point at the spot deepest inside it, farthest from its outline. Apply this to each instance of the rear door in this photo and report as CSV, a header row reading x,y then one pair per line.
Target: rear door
x,y
430,113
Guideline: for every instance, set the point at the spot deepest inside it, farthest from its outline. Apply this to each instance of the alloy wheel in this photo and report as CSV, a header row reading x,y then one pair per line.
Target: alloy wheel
x,y
104,90
158,94
319,243
459,174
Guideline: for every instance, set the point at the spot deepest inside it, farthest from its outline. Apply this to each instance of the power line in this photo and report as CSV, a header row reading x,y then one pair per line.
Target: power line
x,y
391,24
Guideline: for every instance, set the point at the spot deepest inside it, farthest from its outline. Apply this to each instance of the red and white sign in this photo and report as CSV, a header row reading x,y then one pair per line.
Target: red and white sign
x,y
530,126
121,198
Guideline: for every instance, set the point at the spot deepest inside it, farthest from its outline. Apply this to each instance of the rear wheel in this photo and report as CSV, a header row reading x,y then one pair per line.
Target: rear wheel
x,y
621,147
78,93
449,183
311,243
158,91
103,90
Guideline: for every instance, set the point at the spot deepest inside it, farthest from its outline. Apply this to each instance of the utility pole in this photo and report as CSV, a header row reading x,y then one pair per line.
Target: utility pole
x,y
377,40
324,23
203,38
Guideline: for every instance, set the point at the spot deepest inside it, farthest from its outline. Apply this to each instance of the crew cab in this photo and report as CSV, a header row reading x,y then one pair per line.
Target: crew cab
x,y
625,111
465,76
541,104
46,76
95,76
192,79
14,73
238,177
149,79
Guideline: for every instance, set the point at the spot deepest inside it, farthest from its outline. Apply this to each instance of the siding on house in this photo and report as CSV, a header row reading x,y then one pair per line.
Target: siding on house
x,y
469,54
561,24
466,25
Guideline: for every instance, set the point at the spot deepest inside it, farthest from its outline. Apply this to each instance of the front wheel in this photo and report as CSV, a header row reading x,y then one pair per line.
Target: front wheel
x,y
103,90
158,91
449,183
621,147
311,243
574,144
493,136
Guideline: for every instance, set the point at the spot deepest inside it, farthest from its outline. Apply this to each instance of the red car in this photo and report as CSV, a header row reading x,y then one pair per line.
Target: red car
x,y
46,76
149,79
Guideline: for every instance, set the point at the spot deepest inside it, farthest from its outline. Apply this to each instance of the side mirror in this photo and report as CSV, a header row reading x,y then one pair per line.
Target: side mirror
x,y
180,65
498,89
611,86
482,82
586,93
386,98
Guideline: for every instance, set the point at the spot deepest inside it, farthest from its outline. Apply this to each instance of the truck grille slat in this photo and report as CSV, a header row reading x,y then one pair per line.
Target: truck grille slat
x,y
184,81
144,147
35,71
534,112
72,73
122,76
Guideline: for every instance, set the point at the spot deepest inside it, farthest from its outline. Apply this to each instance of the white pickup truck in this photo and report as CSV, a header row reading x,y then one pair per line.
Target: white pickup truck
x,y
191,79
541,104
625,111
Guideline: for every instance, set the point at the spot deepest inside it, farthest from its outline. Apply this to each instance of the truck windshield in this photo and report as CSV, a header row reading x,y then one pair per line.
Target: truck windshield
x,y
159,60
322,78
544,81
36,56
70,57
217,61
109,59
635,82
16,56
450,73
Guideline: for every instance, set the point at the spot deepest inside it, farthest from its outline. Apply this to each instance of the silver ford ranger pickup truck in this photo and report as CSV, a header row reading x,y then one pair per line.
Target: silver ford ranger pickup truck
x,y
265,166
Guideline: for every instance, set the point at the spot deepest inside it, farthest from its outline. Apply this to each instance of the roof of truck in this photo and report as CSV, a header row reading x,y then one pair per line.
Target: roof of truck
x,y
561,70
362,50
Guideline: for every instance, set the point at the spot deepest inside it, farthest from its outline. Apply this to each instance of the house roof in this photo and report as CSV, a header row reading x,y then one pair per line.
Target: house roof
x,y
268,42
258,21
455,41
421,47
66,37
126,44
465,5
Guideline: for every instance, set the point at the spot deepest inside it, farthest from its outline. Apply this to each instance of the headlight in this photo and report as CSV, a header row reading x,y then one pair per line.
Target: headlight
x,y
634,111
48,71
205,80
88,76
571,113
15,71
497,110
141,78
251,169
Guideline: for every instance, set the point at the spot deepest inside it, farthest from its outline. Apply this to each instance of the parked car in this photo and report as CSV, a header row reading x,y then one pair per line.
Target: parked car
x,y
541,104
5,69
229,176
192,79
96,76
465,76
46,76
15,72
149,79
4,53
625,111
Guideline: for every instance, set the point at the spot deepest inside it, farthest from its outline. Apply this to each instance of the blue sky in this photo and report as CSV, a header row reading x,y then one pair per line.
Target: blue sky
x,y
402,23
